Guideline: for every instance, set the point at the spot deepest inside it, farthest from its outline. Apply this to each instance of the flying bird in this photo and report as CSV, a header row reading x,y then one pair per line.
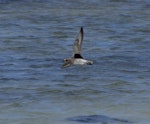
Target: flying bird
x,y
77,58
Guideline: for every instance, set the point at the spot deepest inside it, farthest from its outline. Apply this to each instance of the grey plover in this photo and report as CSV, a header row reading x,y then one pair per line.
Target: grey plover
x,y
77,58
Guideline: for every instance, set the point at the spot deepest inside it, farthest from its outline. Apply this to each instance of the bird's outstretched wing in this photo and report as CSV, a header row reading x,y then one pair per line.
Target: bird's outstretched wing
x,y
77,47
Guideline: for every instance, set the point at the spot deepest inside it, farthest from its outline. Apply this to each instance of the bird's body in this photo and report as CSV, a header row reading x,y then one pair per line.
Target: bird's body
x,y
82,62
77,58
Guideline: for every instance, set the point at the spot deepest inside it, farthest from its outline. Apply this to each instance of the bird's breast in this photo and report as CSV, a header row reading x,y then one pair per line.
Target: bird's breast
x,y
80,61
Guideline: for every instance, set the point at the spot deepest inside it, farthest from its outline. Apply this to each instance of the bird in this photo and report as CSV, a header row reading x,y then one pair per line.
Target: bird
x,y
77,58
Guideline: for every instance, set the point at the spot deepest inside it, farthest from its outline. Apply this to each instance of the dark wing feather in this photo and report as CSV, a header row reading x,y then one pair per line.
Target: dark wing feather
x,y
78,43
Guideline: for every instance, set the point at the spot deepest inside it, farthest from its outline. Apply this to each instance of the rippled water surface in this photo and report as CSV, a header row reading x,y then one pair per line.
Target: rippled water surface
x,y
35,37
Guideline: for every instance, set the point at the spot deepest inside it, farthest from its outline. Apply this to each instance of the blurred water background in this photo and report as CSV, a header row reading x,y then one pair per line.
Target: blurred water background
x,y
35,37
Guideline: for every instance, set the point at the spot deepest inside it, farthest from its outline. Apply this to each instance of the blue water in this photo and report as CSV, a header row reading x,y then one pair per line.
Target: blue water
x,y
35,37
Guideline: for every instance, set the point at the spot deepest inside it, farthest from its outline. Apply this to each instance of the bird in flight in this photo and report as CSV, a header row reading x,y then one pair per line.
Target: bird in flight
x,y
77,58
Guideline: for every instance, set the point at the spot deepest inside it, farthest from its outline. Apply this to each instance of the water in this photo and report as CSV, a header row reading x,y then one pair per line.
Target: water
x,y
35,37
